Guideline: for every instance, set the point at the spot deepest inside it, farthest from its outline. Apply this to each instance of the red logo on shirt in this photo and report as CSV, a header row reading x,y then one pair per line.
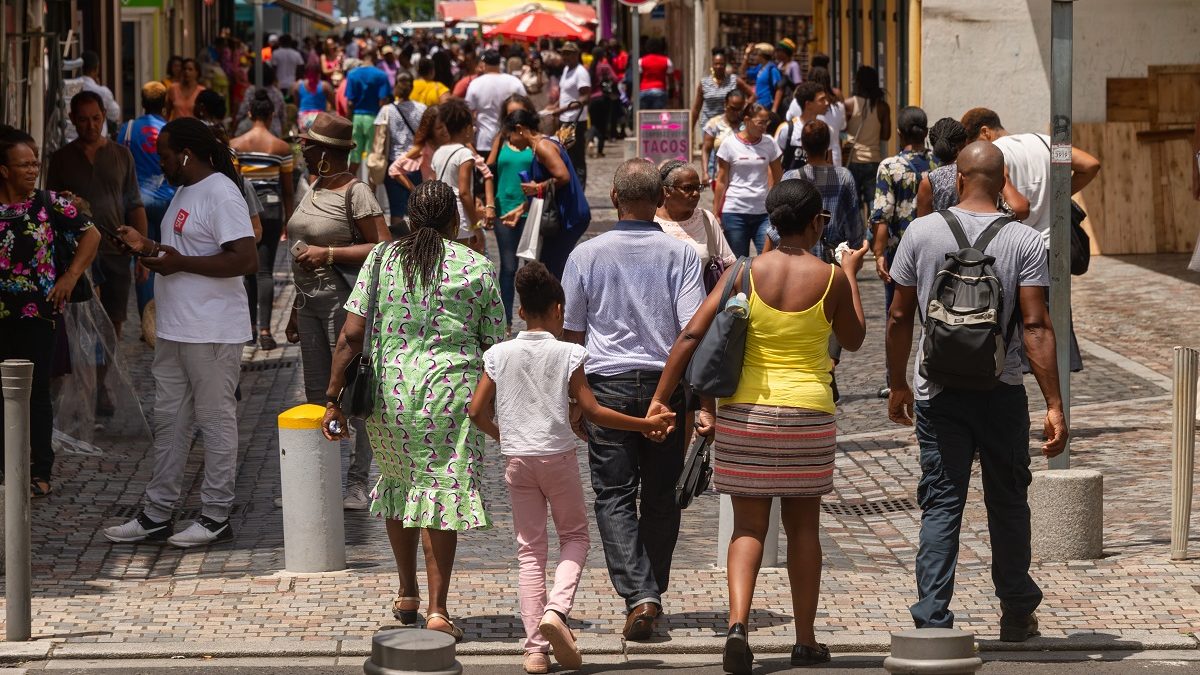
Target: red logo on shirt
x,y
180,219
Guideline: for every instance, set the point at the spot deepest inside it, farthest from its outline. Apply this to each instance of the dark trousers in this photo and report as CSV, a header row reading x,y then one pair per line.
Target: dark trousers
x,y
951,427
638,534
33,340
578,152
599,112
556,249
260,287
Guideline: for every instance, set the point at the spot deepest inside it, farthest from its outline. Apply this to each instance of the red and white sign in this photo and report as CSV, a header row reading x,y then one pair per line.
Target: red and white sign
x,y
180,219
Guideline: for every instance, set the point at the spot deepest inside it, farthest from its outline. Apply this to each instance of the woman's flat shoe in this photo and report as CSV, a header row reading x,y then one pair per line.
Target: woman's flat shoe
x,y
406,615
266,342
803,655
450,629
737,657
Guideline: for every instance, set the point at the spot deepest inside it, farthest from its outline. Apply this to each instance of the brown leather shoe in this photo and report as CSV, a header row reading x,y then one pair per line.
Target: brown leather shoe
x,y
639,625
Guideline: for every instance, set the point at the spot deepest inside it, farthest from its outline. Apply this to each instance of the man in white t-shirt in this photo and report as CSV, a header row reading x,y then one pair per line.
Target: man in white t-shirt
x,y
574,94
485,96
286,61
202,322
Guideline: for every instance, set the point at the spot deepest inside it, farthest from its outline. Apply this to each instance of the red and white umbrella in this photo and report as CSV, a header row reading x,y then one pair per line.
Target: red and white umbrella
x,y
533,26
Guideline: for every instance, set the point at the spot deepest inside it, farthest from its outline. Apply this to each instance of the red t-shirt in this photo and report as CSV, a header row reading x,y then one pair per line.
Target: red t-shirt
x,y
655,70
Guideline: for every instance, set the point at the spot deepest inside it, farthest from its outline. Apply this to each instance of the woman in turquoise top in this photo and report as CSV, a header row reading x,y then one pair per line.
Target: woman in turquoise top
x,y
507,164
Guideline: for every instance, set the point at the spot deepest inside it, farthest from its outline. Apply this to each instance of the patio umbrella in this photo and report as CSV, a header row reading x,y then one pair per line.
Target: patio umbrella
x,y
498,11
533,26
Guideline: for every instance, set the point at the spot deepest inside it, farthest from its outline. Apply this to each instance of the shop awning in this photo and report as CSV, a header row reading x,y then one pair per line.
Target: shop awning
x,y
499,11
298,7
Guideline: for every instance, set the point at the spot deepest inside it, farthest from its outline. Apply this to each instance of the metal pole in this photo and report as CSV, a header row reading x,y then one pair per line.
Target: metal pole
x,y
1060,203
635,57
17,378
258,38
1183,466
37,72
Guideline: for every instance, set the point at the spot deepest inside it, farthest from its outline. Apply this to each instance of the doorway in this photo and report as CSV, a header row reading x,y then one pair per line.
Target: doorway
x,y
137,57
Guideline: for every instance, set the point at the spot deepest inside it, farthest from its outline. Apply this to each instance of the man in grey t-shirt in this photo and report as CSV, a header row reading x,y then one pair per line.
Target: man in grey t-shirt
x,y
953,424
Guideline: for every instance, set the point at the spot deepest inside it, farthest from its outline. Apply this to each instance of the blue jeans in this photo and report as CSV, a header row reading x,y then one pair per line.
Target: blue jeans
x,y
740,228
653,99
507,240
627,468
951,427
155,211
398,195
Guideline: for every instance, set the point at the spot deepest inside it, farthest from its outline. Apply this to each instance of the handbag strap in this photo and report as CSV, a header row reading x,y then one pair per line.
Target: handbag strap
x,y
709,235
742,267
354,234
373,299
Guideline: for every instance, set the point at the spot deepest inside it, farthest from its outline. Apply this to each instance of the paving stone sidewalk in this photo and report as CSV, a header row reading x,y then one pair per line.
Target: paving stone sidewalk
x,y
1127,315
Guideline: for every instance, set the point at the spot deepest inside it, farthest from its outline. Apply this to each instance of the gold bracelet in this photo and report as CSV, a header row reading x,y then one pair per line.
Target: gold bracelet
x,y
329,255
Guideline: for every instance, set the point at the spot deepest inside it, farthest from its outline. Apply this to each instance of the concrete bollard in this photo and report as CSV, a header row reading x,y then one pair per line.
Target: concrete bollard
x,y
406,651
310,468
1183,459
725,533
1067,515
925,651
17,378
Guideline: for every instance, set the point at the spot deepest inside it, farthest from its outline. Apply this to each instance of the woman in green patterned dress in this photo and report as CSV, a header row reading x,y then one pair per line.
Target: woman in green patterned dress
x,y
438,310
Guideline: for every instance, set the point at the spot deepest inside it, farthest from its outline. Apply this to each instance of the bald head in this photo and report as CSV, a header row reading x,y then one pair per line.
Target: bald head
x,y
637,190
982,167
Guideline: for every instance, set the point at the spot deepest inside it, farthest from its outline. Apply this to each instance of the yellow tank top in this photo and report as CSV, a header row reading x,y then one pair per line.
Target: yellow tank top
x,y
787,356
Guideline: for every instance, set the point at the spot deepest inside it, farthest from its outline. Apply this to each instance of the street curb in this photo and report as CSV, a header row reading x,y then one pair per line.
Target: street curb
x,y
876,643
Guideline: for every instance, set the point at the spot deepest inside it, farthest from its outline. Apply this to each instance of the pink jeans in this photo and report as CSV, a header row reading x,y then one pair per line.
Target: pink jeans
x,y
534,483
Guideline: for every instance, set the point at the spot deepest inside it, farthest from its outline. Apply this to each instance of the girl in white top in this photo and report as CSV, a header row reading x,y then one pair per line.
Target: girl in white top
x,y
454,164
748,166
523,401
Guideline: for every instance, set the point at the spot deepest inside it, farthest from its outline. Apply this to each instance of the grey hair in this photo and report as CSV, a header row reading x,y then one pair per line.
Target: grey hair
x,y
637,181
668,169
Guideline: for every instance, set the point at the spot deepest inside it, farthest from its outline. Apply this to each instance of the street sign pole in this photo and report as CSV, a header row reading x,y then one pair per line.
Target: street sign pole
x,y
258,38
1060,204
635,57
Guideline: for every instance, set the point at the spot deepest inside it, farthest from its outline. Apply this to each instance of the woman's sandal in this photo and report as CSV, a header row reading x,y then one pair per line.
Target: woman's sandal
x,y
406,615
39,487
453,631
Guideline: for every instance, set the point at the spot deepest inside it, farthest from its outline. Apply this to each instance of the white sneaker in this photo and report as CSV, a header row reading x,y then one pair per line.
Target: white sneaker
x,y
139,529
356,498
203,532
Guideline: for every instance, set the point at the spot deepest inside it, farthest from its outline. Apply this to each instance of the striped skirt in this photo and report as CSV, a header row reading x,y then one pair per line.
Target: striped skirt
x,y
772,451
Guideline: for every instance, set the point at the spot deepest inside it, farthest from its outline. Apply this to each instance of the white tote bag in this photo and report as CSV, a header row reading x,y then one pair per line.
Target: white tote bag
x,y
530,245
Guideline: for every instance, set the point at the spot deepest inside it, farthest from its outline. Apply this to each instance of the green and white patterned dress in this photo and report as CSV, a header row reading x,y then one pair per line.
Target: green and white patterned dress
x,y
428,354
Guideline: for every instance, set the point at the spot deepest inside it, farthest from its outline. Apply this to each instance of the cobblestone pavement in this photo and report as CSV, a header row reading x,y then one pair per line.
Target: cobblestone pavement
x,y
1127,315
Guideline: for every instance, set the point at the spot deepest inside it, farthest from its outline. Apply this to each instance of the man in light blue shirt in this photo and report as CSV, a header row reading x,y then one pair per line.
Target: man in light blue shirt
x,y
629,294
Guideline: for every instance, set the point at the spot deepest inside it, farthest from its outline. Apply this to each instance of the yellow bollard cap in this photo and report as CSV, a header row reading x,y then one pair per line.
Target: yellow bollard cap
x,y
307,416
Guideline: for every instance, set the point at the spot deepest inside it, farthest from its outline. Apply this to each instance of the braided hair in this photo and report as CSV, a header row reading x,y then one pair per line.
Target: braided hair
x,y
432,209
792,205
669,167
948,136
261,107
189,133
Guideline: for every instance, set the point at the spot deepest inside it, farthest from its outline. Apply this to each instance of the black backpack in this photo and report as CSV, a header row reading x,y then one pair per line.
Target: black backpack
x,y
794,156
965,346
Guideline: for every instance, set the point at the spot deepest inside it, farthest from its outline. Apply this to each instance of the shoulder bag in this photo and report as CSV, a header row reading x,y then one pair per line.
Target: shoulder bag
x,y
716,365
697,472
550,223
714,267
357,398
566,130
1081,243
348,272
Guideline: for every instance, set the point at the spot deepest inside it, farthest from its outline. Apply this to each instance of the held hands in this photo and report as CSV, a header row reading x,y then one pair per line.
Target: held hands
x,y
900,404
1055,432
662,419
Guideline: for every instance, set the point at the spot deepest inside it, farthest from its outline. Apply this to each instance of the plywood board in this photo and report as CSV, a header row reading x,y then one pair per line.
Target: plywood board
x,y
1173,172
1127,100
1120,201
1090,137
1174,95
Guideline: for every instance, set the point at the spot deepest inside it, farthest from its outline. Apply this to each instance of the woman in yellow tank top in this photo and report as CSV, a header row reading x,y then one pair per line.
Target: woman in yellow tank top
x,y
776,436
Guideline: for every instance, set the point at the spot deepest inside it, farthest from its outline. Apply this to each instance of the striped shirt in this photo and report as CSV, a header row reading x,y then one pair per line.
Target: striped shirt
x,y
713,96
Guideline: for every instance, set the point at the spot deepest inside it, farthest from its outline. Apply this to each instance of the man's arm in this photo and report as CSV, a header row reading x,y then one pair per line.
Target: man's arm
x,y
898,347
1084,168
1040,347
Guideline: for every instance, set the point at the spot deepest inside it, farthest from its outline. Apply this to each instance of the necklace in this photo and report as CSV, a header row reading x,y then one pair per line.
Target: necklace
x,y
794,249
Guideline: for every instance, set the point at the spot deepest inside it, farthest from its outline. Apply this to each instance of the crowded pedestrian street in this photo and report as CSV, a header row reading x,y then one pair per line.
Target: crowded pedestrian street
x,y
697,336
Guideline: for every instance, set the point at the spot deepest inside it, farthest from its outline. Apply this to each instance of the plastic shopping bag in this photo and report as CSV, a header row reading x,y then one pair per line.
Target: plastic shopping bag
x,y
530,245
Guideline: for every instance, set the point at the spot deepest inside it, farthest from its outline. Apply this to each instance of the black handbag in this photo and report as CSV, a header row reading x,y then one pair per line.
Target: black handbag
x,y
716,365
357,398
1081,243
551,224
697,472
63,252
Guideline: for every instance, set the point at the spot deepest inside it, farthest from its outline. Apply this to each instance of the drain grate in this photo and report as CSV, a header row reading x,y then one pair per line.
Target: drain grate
x,y
862,508
260,366
132,510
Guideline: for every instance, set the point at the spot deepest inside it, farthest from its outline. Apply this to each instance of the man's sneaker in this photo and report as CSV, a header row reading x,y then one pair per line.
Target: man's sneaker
x,y
140,529
203,532
1018,628
356,498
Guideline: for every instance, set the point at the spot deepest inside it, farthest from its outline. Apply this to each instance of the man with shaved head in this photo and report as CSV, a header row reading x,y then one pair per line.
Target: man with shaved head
x,y
954,424
629,294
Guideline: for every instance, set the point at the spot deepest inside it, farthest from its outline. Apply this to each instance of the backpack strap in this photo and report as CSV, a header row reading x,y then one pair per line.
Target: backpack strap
x,y
955,227
990,233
